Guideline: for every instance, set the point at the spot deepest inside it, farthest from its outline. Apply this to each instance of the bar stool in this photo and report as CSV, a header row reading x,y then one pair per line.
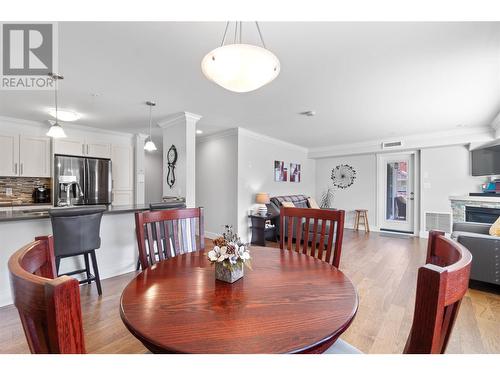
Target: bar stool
x,y
361,214
76,232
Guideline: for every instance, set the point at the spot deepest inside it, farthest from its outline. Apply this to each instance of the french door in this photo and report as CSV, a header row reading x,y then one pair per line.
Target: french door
x,y
396,182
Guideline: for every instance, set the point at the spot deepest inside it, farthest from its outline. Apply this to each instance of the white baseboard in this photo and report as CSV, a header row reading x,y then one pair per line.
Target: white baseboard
x,y
211,235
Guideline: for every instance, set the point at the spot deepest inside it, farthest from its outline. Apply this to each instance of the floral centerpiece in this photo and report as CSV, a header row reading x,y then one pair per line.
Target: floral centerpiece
x,y
230,255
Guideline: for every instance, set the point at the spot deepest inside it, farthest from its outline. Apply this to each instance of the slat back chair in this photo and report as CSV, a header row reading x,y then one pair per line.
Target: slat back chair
x,y
168,233
318,227
441,285
49,306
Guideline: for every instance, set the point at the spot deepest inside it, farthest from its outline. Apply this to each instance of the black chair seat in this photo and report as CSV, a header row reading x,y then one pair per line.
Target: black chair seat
x,y
76,232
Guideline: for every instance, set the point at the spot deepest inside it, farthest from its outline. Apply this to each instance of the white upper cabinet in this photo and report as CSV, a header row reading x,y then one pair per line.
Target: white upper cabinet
x,y
26,156
95,149
69,146
9,155
122,159
82,147
34,156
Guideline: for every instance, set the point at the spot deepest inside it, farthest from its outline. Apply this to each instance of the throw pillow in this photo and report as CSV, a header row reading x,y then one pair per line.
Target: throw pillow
x,y
287,204
312,203
495,228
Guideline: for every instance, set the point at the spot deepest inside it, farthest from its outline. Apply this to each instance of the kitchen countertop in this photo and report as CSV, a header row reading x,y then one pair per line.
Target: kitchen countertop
x,y
34,214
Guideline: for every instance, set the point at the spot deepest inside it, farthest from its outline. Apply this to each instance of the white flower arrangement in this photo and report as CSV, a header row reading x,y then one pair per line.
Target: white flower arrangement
x,y
230,250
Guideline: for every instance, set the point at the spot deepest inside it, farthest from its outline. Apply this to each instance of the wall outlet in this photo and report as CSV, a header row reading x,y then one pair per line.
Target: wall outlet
x,y
8,192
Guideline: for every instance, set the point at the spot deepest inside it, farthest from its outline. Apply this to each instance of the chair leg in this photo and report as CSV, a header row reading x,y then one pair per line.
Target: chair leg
x,y
87,267
96,271
138,266
356,221
367,226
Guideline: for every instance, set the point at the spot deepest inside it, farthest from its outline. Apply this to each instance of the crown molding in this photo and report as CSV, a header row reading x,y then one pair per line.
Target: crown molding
x,y
464,136
175,118
275,141
220,134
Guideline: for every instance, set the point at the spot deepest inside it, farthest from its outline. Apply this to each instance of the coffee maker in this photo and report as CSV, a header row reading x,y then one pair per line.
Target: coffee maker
x,y
41,194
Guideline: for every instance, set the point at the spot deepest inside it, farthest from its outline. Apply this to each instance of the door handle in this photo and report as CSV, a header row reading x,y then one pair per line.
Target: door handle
x,y
87,149
15,168
21,169
83,149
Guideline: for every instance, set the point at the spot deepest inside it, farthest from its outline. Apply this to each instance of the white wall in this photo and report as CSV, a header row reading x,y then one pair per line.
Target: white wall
x,y
179,130
153,162
362,194
256,156
216,180
445,172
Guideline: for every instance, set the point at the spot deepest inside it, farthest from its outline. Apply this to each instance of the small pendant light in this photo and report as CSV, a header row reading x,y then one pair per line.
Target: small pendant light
x,y
149,145
56,130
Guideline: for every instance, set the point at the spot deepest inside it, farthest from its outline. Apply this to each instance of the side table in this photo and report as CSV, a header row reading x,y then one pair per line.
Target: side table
x,y
259,230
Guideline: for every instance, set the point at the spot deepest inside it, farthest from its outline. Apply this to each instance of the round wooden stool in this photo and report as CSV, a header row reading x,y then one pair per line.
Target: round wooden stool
x,y
361,214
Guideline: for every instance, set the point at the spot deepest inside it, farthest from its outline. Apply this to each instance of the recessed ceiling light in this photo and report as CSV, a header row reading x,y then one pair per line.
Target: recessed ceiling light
x,y
64,114
308,113
199,131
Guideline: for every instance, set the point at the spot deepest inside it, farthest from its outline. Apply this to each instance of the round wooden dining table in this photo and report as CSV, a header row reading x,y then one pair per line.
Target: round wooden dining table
x,y
287,303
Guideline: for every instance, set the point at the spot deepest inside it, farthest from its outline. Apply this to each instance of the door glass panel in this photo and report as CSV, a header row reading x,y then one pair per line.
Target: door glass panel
x,y
397,190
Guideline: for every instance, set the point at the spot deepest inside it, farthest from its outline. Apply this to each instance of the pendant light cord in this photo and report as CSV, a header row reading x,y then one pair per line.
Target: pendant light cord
x,y
238,26
225,32
260,34
150,110
55,94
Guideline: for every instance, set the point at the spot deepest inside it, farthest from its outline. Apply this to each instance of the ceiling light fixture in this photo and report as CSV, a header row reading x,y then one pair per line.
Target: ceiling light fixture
x,y
64,114
199,131
56,130
240,67
149,145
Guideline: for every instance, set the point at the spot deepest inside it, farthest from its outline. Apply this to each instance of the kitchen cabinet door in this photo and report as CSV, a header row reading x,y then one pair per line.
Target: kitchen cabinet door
x,y
69,146
9,155
98,150
122,159
34,156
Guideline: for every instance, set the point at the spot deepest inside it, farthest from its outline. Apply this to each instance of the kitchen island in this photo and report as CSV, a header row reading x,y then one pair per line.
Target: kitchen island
x,y
117,254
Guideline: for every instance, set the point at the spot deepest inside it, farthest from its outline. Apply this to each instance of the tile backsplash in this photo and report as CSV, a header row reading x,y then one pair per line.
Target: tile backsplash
x,y
22,188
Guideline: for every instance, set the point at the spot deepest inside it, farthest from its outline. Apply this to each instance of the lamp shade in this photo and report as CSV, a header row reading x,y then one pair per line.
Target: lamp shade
x,y
150,146
240,67
56,131
262,198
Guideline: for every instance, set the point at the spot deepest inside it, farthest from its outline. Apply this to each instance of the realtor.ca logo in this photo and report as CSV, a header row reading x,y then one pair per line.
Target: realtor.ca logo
x,y
29,53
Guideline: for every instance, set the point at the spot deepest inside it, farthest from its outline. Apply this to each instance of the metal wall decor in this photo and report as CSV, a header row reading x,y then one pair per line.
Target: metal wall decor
x,y
343,176
171,160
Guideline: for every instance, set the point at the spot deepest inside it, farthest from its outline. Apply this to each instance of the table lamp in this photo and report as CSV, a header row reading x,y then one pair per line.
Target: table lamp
x,y
262,199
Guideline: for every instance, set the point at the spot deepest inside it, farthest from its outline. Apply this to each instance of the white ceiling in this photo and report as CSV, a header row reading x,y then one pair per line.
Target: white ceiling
x,y
364,80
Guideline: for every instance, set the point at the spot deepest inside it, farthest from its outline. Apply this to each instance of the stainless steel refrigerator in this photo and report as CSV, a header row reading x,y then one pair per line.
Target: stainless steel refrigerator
x,y
91,183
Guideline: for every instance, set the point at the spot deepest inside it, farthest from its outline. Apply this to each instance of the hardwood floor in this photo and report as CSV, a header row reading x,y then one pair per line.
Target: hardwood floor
x,y
382,266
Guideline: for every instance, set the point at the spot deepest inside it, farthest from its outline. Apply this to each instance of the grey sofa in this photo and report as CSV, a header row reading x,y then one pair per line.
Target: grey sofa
x,y
485,250
300,201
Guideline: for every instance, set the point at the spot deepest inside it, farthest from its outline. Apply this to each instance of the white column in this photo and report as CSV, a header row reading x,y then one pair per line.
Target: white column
x,y
139,168
179,129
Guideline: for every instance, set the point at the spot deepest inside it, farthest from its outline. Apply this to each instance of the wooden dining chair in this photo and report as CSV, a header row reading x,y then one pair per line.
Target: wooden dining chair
x,y
49,306
441,285
167,233
323,229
